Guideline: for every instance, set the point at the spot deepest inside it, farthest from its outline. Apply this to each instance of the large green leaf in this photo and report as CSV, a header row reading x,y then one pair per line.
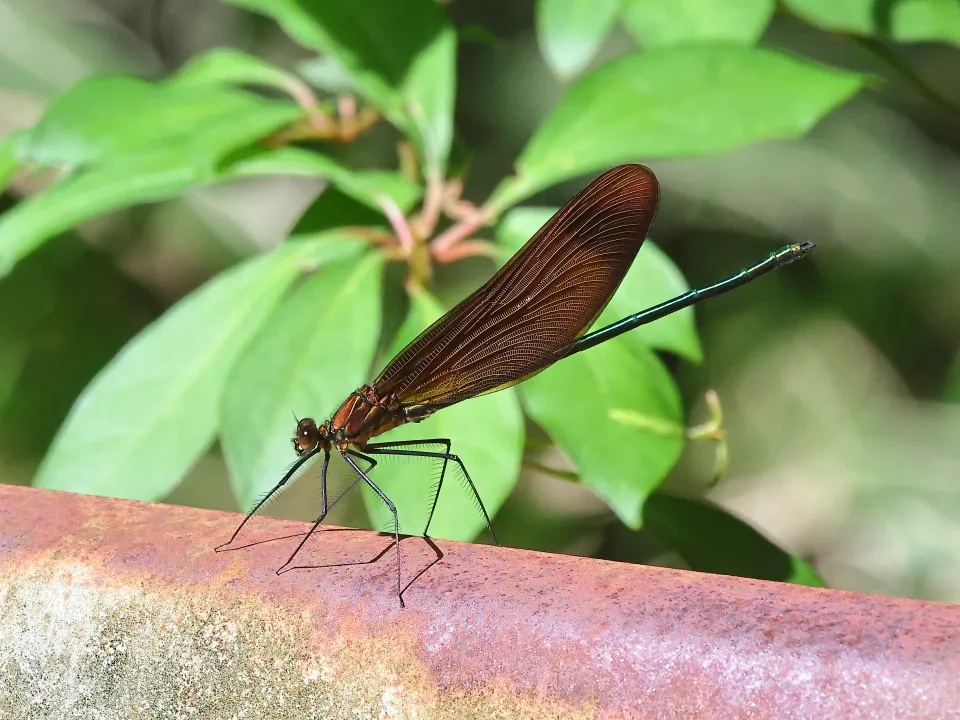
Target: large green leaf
x,y
429,93
951,393
651,279
399,54
616,412
712,540
127,160
367,186
160,174
105,118
8,161
667,23
152,411
920,20
327,73
334,209
486,433
226,66
137,178
903,20
67,301
315,349
570,32
14,353
675,101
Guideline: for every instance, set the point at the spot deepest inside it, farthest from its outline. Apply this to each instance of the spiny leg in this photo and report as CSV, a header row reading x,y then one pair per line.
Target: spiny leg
x,y
323,514
286,478
386,449
443,442
326,508
389,503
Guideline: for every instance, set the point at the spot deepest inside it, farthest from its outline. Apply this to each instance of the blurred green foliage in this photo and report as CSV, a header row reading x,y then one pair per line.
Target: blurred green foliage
x,y
314,159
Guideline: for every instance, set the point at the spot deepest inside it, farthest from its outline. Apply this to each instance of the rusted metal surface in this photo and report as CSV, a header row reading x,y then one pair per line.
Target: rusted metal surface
x,y
121,609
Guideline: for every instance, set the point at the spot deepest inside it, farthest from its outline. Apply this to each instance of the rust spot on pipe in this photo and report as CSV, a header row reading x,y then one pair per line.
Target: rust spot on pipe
x,y
123,607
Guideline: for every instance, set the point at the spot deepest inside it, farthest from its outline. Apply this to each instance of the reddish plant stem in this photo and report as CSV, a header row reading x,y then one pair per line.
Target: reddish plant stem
x,y
399,224
464,249
453,206
426,222
460,232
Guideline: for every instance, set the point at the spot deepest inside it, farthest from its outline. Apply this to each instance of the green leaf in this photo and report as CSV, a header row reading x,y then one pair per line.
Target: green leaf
x,y
656,23
429,93
334,209
226,66
843,15
327,73
905,20
366,186
399,54
570,32
315,349
616,413
712,540
8,161
162,174
14,353
361,44
486,433
146,177
920,20
952,390
478,35
651,279
141,143
152,411
672,102
75,310
107,118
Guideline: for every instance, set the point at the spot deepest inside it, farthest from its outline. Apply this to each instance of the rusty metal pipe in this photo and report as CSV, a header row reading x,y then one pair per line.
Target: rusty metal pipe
x,y
112,608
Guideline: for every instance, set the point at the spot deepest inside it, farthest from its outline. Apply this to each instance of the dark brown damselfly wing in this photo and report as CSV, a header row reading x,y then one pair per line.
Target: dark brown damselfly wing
x,y
526,316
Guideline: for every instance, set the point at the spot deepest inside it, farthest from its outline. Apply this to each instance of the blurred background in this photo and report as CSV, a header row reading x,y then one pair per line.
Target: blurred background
x,y
850,457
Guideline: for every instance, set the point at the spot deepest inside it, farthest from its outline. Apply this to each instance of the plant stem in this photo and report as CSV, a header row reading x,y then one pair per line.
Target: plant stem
x,y
461,231
712,429
465,249
426,222
399,224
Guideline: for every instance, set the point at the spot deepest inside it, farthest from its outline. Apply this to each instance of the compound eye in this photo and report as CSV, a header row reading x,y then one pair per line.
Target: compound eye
x,y
307,437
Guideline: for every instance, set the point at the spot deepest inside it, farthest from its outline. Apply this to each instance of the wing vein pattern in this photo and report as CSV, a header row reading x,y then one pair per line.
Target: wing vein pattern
x,y
526,316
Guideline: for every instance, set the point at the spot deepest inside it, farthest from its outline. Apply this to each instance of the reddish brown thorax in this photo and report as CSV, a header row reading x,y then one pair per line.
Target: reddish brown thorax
x,y
365,415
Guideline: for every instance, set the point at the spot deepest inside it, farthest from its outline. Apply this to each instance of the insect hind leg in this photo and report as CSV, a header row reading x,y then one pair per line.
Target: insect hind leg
x,y
348,456
397,448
